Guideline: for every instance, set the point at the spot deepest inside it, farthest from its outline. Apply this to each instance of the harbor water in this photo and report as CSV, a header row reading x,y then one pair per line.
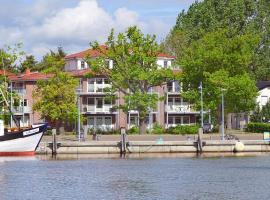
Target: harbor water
x,y
168,177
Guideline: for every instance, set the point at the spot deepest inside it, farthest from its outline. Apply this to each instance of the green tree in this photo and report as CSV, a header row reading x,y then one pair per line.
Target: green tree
x,y
11,57
239,17
52,61
220,62
55,99
28,63
134,72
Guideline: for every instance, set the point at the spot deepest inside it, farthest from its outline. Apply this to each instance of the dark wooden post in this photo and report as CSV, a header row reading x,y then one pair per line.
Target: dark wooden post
x,y
54,142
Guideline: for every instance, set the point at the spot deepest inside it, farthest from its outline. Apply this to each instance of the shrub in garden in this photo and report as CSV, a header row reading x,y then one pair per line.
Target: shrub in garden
x,y
258,127
133,130
157,129
183,130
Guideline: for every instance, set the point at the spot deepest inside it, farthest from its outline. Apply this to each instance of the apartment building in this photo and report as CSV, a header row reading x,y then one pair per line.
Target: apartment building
x,y
99,110
24,85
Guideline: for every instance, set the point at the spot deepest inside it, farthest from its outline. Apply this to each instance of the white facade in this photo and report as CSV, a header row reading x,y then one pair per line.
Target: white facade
x,y
263,97
79,63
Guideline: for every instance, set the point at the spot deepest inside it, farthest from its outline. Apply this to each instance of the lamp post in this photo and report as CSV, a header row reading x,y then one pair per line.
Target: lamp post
x,y
79,114
201,91
222,114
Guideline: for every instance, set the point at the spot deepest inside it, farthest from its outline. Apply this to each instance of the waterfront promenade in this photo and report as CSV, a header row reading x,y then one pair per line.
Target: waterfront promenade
x,y
113,144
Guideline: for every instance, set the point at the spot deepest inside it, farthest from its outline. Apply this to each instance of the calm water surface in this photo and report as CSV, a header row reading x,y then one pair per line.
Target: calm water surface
x,y
136,178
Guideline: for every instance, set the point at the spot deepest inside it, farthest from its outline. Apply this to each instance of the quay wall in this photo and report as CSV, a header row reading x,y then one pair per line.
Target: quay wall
x,y
114,147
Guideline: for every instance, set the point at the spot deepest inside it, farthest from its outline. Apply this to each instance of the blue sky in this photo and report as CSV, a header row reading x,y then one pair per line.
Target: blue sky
x,y
45,24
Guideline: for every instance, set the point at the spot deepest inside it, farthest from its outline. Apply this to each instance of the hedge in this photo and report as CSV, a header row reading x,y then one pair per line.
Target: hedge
x,y
183,130
258,127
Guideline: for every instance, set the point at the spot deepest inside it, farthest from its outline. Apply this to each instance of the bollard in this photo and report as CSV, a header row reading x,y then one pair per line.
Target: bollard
x,y
54,142
199,141
123,141
94,135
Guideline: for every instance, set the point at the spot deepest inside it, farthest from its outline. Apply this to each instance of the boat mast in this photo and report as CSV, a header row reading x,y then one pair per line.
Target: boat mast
x,y
3,95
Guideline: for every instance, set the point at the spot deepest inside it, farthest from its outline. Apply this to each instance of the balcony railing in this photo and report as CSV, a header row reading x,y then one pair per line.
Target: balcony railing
x,y
178,108
173,89
102,127
19,91
21,109
94,108
98,88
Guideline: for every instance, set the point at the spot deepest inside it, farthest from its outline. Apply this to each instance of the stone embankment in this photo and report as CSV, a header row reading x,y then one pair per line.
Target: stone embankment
x,y
159,145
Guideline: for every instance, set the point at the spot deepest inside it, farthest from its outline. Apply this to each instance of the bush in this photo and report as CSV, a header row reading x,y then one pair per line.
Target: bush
x,y
258,127
157,129
183,130
133,130
103,132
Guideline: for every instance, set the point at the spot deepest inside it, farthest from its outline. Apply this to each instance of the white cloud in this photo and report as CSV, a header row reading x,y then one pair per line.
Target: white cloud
x,y
46,27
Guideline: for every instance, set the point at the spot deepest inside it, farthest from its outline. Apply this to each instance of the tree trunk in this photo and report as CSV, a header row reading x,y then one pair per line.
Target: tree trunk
x,y
59,127
142,125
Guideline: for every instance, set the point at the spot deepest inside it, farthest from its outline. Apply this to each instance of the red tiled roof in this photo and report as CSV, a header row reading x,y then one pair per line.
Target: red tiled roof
x,y
89,52
96,53
164,55
30,76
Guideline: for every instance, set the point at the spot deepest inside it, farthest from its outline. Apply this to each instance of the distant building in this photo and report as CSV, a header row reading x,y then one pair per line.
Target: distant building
x,y
99,111
24,85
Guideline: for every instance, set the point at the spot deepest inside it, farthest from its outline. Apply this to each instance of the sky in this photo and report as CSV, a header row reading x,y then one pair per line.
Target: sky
x,y
42,25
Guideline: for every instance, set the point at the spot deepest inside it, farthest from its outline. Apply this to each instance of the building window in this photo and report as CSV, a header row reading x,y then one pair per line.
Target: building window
x,y
108,121
170,86
99,121
134,120
177,120
165,63
82,64
170,120
91,121
91,101
170,100
99,80
107,101
177,100
23,102
99,102
186,120
106,81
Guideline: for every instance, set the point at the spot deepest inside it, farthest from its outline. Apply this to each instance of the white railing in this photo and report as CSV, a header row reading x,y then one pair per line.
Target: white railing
x,y
174,125
19,90
98,88
94,108
102,127
178,108
21,109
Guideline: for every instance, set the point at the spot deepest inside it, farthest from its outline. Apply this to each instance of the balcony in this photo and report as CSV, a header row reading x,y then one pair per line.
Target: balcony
x,y
19,110
179,108
20,91
98,88
96,109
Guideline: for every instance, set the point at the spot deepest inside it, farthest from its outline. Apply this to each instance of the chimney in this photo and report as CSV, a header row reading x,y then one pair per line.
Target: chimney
x,y
27,71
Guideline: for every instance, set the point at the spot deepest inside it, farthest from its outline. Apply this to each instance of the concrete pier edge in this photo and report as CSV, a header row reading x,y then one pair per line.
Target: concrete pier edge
x,y
114,147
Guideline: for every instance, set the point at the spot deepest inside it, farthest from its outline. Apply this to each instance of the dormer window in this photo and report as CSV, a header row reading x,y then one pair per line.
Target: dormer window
x,y
82,64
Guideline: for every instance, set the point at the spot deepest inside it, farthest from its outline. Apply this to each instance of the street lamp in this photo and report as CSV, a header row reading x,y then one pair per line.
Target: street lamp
x,y
78,90
201,91
222,113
